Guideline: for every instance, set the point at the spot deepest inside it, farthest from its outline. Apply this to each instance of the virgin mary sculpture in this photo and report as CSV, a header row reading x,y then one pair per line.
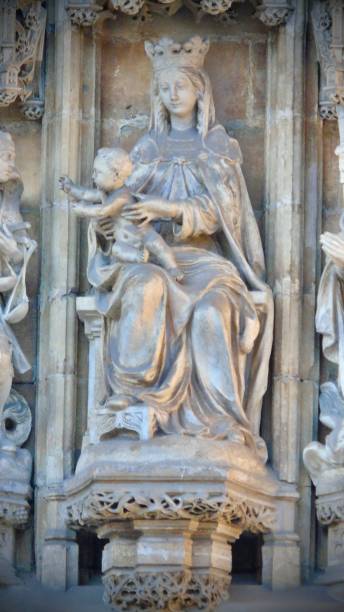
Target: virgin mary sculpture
x,y
192,356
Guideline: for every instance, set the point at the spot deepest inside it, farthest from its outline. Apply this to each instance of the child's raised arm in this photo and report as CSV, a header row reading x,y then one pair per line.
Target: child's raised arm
x,y
85,210
78,192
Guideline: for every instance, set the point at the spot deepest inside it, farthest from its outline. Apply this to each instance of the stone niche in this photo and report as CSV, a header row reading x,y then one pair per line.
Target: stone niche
x,y
169,513
169,508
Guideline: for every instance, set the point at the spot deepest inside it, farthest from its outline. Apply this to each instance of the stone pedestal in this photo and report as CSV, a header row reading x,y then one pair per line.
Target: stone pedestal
x,y
330,513
15,493
171,508
160,564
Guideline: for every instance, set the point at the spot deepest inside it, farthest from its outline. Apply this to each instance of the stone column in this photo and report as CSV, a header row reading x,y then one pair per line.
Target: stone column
x,y
310,341
284,244
68,148
93,324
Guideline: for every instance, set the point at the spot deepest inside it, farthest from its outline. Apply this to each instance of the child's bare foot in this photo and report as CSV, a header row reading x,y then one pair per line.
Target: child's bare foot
x,y
176,273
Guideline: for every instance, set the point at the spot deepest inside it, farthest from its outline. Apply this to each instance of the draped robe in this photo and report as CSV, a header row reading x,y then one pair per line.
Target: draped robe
x,y
196,350
14,303
330,317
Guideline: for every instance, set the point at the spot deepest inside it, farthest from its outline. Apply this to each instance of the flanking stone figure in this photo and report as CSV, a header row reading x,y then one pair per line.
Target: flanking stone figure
x,y
325,462
172,468
16,249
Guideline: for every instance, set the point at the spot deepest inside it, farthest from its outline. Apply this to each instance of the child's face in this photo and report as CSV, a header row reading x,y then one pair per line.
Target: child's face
x,y
104,177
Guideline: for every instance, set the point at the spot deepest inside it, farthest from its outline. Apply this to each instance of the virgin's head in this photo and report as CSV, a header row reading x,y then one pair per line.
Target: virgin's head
x,y
180,86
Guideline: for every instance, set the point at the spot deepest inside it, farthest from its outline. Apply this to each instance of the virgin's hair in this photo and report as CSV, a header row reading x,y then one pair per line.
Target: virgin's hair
x,y
117,160
205,112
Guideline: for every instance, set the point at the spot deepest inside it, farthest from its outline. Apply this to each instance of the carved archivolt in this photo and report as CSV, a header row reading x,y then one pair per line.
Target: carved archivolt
x,y
88,12
165,590
98,507
22,27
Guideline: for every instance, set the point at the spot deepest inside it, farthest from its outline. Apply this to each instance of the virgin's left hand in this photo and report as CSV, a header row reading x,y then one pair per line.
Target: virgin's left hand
x,y
150,209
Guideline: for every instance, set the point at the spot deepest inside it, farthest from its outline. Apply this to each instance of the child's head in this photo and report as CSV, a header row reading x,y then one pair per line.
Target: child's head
x,y
111,168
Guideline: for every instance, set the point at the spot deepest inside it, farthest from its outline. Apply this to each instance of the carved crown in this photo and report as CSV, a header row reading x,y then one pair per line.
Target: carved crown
x,y
169,53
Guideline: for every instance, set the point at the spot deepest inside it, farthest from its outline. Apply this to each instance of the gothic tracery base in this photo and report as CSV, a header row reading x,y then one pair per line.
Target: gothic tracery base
x,y
165,590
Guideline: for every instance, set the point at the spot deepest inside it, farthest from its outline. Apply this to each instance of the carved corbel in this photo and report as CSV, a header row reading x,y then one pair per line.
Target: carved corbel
x,y
84,14
22,27
274,12
328,27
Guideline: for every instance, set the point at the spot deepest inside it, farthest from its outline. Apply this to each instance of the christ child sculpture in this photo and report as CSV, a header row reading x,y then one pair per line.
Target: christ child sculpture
x,y
132,243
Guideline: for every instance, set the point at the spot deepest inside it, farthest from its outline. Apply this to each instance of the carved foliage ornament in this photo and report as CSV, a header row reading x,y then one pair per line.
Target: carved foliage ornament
x,y
330,509
15,514
165,590
22,27
273,14
98,507
87,12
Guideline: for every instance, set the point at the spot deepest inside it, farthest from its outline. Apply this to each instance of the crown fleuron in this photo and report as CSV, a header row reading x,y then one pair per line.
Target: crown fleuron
x,y
169,53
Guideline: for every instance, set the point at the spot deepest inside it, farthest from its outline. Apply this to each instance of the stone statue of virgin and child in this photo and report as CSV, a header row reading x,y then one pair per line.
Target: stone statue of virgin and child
x,y
176,261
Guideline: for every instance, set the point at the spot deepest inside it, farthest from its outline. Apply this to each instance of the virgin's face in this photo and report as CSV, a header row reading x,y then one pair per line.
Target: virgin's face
x,y
177,93
7,165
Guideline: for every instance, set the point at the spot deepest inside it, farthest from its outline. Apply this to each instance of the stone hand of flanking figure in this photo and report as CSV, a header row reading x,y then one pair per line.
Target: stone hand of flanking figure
x,y
324,461
327,458
333,247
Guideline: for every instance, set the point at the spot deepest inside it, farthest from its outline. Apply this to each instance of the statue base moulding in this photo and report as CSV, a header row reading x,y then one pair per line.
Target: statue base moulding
x,y
170,508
